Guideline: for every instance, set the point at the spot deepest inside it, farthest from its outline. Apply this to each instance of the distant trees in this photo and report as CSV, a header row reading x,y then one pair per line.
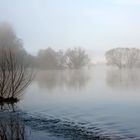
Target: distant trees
x,y
50,59
123,57
72,59
76,58
46,58
9,39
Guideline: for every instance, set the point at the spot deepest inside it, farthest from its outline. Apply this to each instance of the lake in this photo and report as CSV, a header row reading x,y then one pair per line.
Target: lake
x,y
96,103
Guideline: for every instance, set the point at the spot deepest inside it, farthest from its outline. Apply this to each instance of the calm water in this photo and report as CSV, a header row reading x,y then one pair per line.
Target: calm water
x,y
97,103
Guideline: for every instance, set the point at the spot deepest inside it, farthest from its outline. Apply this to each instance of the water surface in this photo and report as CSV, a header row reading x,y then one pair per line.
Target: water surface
x,y
96,103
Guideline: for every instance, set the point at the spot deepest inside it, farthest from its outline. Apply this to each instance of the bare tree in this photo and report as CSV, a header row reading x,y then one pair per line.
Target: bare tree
x,y
76,58
123,57
132,57
14,76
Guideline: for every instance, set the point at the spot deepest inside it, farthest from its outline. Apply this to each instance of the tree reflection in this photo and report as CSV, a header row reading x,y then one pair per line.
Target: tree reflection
x,y
12,127
123,78
71,79
7,106
77,79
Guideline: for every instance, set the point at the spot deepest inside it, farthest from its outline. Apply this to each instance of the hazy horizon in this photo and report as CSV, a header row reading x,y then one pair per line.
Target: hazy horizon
x,y
69,69
94,25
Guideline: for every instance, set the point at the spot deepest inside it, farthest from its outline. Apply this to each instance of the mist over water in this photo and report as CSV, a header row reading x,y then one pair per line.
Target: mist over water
x,y
69,79
106,102
70,70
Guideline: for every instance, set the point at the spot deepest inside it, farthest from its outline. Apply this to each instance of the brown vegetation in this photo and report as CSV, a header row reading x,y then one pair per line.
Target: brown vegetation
x,y
15,74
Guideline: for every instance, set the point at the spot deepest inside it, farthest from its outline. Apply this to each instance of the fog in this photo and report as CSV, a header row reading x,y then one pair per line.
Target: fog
x,y
69,70
94,25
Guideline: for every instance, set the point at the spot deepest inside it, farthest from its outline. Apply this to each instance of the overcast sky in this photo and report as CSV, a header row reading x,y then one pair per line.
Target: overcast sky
x,y
96,25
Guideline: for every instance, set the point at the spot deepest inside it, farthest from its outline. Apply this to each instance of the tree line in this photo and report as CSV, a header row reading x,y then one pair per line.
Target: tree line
x,y
71,58
46,59
77,58
123,57
74,58
16,63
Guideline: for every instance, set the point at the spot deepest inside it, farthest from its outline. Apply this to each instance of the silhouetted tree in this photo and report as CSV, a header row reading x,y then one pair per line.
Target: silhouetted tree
x,y
123,57
76,58
15,74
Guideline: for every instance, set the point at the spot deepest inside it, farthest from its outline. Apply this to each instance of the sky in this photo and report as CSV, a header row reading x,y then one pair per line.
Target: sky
x,y
95,25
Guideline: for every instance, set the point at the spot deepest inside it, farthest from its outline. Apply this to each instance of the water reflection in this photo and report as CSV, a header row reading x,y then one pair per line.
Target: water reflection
x,y
73,79
11,127
124,78
6,106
